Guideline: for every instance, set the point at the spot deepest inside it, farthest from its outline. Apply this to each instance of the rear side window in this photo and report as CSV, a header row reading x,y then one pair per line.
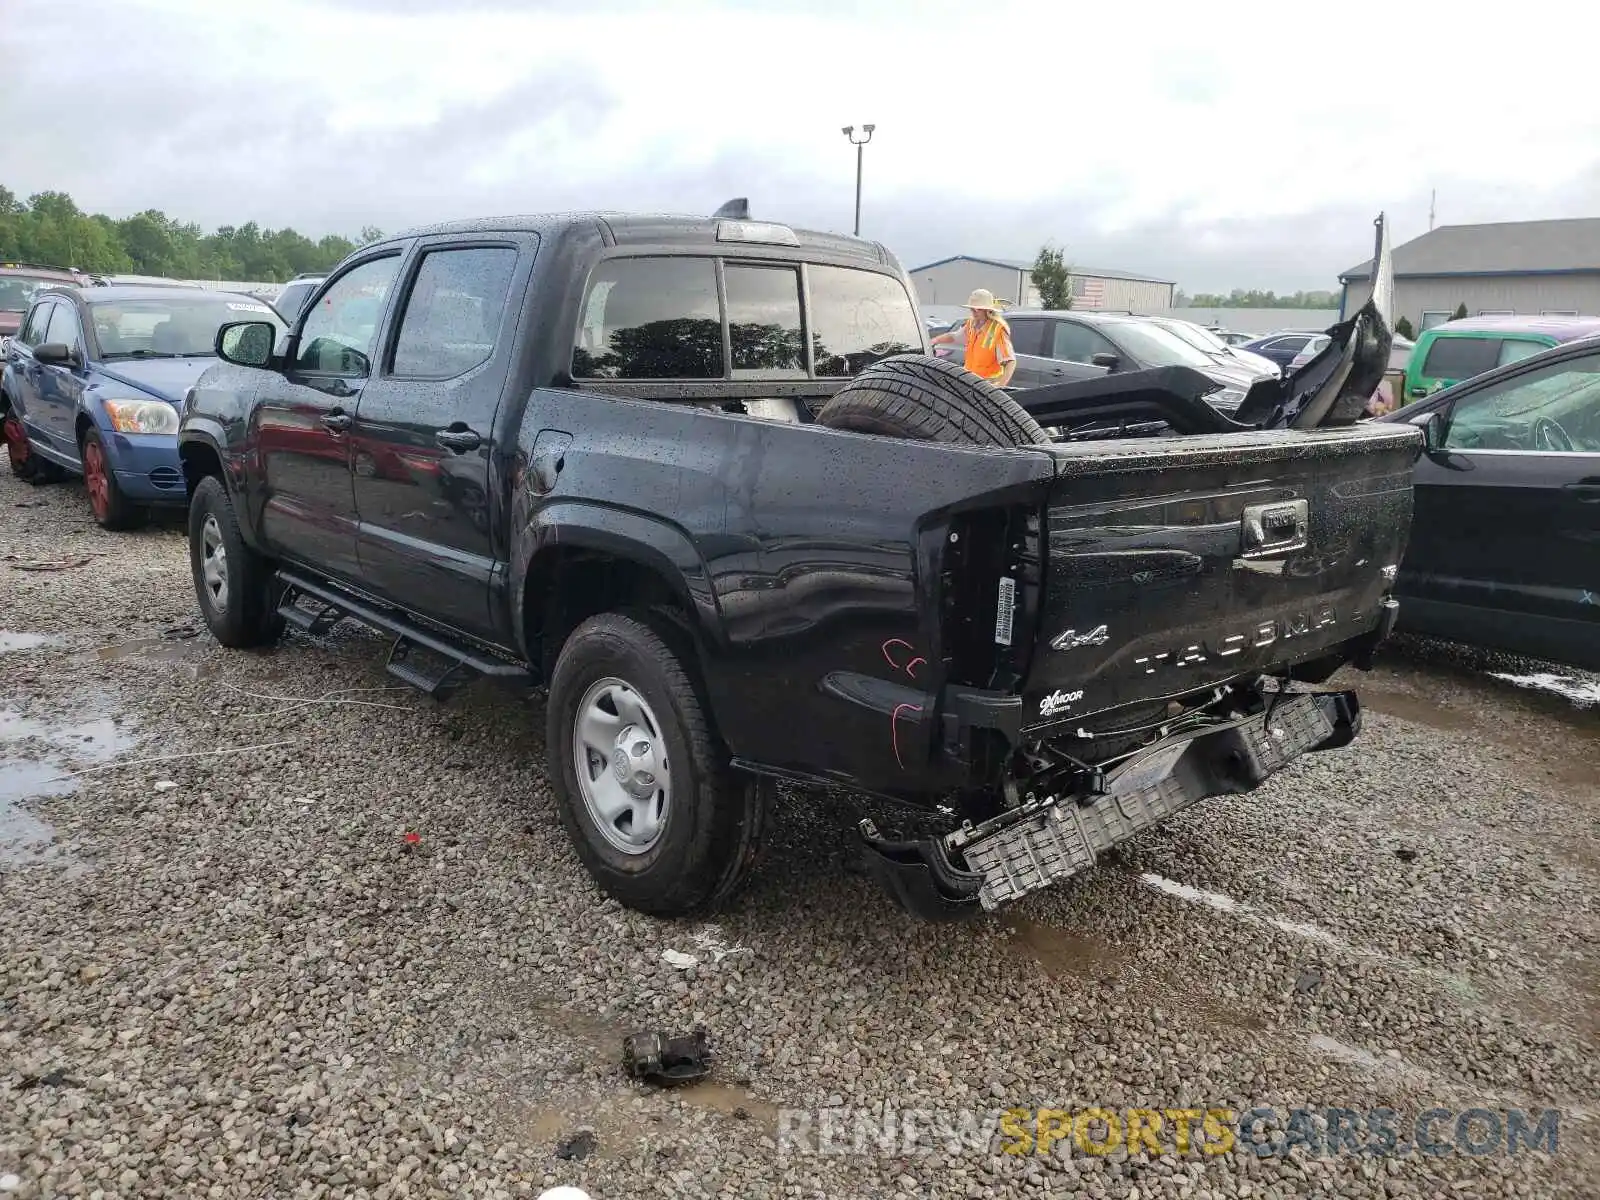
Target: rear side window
x,y
1461,357
764,322
453,313
857,318
651,318
1078,343
1028,336
1516,349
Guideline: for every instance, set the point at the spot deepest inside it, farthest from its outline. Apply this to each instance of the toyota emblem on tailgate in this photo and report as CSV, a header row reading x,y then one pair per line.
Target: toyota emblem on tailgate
x,y
1279,528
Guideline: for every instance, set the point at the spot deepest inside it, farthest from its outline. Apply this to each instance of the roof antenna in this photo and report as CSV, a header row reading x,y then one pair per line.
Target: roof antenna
x,y
734,210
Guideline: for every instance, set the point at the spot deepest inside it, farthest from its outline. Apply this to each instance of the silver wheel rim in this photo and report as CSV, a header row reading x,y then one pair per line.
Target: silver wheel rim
x,y
621,761
214,564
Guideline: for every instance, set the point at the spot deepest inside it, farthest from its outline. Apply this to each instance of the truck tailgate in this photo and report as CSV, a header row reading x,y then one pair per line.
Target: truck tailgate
x,y
1177,563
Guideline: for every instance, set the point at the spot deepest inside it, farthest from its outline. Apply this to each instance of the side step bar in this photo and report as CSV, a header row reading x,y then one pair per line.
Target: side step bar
x,y
462,663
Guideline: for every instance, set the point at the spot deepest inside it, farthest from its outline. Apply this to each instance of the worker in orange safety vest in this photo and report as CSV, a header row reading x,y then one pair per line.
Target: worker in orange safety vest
x,y
988,339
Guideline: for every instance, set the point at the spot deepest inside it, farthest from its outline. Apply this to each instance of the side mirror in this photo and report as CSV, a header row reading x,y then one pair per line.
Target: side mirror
x,y
1110,362
1432,426
246,343
56,353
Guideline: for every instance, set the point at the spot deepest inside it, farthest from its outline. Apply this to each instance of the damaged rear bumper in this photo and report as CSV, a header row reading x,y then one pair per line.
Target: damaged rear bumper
x,y
1044,841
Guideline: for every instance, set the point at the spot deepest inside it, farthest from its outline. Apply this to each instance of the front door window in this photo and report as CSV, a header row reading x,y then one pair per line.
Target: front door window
x,y
340,334
1553,410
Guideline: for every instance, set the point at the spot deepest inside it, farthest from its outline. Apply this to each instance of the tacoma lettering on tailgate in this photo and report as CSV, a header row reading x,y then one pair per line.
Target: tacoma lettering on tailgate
x,y
1263,634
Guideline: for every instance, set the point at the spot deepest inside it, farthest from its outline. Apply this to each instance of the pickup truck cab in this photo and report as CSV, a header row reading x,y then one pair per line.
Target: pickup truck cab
x,y
700,479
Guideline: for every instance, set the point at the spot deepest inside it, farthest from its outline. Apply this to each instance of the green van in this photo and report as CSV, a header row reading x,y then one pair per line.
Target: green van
x,y
1461,349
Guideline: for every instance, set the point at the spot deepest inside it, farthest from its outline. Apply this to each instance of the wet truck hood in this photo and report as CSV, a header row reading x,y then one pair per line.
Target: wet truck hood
x,y
1175,564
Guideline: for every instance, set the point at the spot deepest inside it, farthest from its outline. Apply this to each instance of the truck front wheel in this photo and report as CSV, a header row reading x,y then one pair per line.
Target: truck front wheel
x,y
231,581
654,811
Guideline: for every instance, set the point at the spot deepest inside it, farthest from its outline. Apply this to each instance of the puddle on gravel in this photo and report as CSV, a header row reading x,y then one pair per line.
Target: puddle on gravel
x,y
26,839
1062,952
1419,710
1584,692
11,641
96,740
730,1101
161,650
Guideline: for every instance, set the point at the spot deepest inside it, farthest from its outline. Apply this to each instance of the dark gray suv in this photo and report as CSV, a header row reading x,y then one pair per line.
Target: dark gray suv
x,y
1058,347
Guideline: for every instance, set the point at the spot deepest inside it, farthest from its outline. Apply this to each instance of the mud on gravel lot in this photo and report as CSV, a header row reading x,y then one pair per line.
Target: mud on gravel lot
x,y
223,974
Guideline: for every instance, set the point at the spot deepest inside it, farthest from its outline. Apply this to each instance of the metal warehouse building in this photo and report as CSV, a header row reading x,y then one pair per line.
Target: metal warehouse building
x,y
952,280
1522,268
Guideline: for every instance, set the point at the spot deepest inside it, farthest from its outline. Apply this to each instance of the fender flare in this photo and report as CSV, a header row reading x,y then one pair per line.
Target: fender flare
x,y
209,433
646,540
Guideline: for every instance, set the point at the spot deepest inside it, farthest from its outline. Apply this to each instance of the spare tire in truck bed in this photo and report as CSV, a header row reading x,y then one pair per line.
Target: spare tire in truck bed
x,y
928,399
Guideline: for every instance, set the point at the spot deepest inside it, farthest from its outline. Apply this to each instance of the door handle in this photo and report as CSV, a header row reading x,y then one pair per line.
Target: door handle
x,y
338,420
1586,491
458,440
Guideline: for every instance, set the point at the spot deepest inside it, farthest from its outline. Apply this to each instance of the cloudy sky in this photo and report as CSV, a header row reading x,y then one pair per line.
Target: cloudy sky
x,y
1218,145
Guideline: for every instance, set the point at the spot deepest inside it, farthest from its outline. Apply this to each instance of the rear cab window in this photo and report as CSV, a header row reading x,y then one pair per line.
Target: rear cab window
x,y
651,318
764,333
1461,357
664,317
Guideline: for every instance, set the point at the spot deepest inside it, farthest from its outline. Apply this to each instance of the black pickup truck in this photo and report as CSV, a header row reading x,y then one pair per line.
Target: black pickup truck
x,y
700,479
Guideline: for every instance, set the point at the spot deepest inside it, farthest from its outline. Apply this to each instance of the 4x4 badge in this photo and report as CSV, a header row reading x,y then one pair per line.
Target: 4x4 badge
x,y
1072,639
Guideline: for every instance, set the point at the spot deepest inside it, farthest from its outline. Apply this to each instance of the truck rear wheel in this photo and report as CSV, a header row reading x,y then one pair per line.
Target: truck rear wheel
x,y
928,399
659,819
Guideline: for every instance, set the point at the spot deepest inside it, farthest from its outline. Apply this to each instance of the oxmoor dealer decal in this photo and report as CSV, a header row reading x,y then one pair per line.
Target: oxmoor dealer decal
x,y
1058,701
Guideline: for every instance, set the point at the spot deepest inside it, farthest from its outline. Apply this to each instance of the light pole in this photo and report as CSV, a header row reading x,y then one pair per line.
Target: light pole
x,y
850,132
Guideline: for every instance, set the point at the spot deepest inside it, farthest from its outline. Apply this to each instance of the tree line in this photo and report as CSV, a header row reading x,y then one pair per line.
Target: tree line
x,y
50,229
1255,298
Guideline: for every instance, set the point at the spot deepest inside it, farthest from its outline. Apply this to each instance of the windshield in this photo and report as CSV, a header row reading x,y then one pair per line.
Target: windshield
x,y
16,291
1200,339
177,326
1159,347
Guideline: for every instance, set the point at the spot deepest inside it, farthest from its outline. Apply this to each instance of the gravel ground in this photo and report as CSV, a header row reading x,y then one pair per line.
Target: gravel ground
x,y
224,975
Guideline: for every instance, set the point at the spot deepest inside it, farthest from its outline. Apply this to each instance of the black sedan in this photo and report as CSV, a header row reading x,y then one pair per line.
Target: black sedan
x,y
1505,545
